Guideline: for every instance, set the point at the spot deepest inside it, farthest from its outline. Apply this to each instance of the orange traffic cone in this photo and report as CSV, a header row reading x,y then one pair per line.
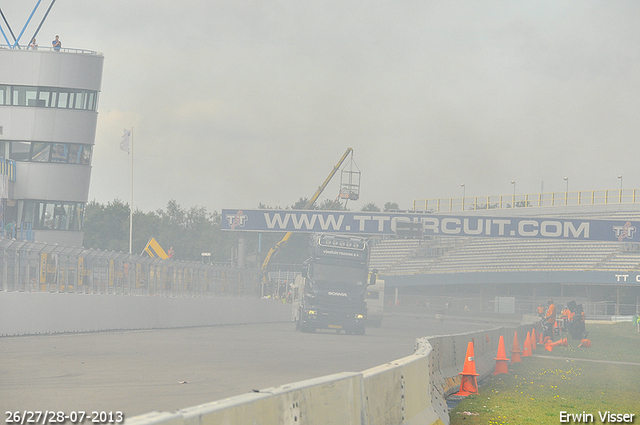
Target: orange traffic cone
x,y
526,351
540,338
469,383
559,343
547,339
533,340
515,351
585,343
501,360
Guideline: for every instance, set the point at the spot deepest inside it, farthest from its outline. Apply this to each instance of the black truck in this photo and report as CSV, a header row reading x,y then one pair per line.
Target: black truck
x,y
330,293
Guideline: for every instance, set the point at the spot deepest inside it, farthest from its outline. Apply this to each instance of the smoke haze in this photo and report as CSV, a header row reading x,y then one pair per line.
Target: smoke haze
x,y
236,103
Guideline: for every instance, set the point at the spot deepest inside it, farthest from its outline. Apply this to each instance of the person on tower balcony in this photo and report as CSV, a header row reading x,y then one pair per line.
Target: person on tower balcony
x,y
57,44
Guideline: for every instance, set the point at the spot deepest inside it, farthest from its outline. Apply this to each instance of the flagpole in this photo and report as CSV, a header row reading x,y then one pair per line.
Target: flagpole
x,y
131,205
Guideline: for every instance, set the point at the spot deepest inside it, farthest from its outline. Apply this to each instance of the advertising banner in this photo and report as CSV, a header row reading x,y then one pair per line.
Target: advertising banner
x,y
375,223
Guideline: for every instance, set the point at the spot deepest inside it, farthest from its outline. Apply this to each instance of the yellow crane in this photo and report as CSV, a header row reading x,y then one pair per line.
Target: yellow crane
x,y
273,251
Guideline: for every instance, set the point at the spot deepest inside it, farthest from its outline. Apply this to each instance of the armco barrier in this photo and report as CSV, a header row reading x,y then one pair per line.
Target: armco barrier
x,y
408,391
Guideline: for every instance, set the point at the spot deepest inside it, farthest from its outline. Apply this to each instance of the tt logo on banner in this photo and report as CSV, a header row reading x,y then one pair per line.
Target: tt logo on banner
x,y
624,232
236,220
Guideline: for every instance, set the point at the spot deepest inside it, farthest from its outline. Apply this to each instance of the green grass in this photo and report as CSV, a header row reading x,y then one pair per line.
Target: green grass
x,y
538,389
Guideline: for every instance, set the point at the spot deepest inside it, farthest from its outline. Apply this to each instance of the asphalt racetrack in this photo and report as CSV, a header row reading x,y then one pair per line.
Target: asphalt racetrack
x,y
136,372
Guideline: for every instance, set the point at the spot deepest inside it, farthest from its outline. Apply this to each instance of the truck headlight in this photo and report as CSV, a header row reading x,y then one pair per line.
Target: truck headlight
x,y
312,312
359,316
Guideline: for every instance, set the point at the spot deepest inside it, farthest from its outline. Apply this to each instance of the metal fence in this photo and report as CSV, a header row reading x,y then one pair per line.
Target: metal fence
x,y
38,267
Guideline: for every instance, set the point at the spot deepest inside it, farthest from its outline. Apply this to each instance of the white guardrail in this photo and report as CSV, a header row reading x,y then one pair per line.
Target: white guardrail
x,y
408,391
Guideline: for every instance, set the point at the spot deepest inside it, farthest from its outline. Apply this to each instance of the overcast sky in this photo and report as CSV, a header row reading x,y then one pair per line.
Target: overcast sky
x,y
235,103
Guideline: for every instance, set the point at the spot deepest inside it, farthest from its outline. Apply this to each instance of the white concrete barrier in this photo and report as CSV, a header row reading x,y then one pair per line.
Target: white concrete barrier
x,y
400,392
408,391
384,390
23,313
334,399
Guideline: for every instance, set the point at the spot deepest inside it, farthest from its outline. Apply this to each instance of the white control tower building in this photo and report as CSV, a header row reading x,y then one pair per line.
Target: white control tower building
x,y
48,117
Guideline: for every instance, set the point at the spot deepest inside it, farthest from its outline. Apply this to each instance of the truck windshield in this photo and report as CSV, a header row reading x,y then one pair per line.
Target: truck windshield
x,y
329,275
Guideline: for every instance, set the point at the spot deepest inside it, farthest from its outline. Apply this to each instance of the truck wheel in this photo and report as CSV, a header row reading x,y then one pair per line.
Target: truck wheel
x,y
306,328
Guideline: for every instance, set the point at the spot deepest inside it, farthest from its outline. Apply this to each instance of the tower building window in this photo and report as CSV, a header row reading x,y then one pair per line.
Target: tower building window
x,y
50,215
48,97
65,153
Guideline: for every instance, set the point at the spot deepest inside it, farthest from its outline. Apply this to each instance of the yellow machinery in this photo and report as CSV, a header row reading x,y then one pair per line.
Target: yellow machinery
x,y
273,251
153,249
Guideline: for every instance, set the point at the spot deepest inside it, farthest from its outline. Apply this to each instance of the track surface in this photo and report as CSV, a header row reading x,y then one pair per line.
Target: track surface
x,y
140,371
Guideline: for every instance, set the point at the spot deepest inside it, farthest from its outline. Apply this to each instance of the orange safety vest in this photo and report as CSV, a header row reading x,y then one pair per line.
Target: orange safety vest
x,y
551,314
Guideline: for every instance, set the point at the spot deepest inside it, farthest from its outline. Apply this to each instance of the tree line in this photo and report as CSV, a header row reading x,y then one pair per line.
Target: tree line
x,y
190,232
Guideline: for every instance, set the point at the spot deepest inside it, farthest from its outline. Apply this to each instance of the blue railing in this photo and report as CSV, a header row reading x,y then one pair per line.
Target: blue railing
x,y
21,232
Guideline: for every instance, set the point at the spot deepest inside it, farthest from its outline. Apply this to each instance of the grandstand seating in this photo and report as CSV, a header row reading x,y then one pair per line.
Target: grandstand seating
x,y
387,252
441,255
